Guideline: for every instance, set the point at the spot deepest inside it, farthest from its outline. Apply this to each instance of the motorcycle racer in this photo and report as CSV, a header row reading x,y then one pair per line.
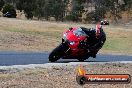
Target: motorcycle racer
x,y
95,40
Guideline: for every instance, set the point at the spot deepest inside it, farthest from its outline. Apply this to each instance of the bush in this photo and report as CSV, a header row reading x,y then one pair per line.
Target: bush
x,y
71,18
1,4
9,9
93,17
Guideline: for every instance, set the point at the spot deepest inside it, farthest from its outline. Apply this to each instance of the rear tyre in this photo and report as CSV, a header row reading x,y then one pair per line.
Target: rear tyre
x,y
83,58
57,53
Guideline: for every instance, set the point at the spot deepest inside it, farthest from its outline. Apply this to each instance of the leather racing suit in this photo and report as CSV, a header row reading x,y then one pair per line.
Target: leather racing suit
x,y
95,40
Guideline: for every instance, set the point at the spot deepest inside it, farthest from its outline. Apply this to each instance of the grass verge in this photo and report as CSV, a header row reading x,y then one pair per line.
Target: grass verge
x,y
49,36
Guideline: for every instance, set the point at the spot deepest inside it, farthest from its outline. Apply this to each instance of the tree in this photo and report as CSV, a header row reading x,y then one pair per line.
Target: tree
x,y
9,8
55,8
1,4
59,9
39,11
100,9
77,8
128,5
112,6
28,6
115,9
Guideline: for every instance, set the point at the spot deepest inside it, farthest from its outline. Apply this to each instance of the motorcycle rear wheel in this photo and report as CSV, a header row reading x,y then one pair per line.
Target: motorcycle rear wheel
x,y
81,59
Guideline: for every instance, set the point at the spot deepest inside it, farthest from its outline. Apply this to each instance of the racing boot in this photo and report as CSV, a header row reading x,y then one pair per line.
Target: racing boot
x,y
93,53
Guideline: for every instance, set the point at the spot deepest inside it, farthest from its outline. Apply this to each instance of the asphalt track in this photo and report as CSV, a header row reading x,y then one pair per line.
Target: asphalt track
x,y
25,58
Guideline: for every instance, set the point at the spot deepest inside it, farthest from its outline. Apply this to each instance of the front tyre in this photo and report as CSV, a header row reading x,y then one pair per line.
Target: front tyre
x,y
53,57
57,53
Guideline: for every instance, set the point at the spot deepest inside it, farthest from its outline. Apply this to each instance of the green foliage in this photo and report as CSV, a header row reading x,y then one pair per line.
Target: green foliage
x,y
71,18
43,8
39,10
91,16
9,8
128,4
55,8
77,8
115,10
28,6
58,8
1,4
112,6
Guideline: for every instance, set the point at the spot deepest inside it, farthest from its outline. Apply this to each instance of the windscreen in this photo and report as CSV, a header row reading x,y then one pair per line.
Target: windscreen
x,y
79,32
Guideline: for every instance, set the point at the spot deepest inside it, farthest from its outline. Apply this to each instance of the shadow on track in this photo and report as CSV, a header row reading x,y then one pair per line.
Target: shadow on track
x,y
73,60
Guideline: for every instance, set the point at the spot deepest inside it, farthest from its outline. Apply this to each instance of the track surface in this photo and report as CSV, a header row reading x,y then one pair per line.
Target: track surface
x,y
25,58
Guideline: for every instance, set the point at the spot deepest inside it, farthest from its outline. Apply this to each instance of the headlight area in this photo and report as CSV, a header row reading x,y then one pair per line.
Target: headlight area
x,y
65,37
72,43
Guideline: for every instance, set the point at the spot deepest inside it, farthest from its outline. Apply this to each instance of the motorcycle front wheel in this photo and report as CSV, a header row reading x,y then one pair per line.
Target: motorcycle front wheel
x,y
57,53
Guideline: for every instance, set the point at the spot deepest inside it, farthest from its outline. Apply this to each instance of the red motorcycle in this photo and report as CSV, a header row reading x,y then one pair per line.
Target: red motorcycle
x,y
71,48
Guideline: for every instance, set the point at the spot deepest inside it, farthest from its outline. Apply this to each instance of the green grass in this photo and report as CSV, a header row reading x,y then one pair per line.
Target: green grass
x,y
121,45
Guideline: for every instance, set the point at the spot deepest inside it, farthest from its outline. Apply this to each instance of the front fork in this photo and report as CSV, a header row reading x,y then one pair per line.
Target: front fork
x,y
67,48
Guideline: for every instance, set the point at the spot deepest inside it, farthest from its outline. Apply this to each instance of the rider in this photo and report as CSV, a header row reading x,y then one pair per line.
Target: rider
x,y
96,39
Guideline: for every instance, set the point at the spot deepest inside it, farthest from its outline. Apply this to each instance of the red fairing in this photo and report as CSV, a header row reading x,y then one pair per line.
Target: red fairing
x,y
71,37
